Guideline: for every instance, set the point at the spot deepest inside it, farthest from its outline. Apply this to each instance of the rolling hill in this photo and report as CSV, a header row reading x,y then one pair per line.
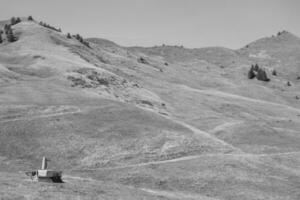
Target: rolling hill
x,y
162,122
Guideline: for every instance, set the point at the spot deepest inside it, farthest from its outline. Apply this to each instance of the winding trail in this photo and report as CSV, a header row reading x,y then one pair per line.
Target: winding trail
x,y
192,158
177,195
234,96
168,194
206,134
198,131
40,116
224,126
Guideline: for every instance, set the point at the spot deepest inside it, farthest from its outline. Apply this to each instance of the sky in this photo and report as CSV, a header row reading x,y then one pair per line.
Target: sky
x,y
191,23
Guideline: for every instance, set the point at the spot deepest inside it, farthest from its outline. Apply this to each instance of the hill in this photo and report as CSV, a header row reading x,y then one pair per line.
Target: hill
x,y
148,123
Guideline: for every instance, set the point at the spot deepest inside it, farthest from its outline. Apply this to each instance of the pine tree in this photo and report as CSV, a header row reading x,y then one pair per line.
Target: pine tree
x,y
1,40
6,28
13,21
69,36
18,20
262,75
86,44
251,73
10,36
256,67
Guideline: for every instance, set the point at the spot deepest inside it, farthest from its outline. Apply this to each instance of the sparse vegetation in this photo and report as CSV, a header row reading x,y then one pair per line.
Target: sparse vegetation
x,y
49,26
81,40
146,102
77,81
92,79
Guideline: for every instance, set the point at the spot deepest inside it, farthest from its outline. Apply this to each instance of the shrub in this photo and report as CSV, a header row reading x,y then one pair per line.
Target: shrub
x,y
274,73
69,36
103,81
142,60
288,84
30,18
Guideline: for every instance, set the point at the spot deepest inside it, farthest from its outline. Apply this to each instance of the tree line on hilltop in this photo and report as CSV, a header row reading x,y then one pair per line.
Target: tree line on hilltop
x,y
11,37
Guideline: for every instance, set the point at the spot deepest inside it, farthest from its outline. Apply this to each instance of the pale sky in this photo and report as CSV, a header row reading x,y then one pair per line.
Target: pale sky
x,y
192,23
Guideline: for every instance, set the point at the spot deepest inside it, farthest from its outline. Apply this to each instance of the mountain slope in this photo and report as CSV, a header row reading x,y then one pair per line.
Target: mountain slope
x,y
158,122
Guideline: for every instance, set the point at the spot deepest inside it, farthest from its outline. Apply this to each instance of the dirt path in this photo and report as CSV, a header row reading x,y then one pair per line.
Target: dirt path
x,y
224,126
40,116
206,134
234,96
198,131
167,194
194,157
176,195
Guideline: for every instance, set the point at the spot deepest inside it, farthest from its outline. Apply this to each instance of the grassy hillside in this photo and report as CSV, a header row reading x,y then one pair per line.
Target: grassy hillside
x,y
148,123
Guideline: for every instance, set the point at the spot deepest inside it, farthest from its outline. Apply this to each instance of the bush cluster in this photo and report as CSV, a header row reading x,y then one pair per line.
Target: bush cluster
x,y
14,20
9,33
79,38
259,73
281,32
50,27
